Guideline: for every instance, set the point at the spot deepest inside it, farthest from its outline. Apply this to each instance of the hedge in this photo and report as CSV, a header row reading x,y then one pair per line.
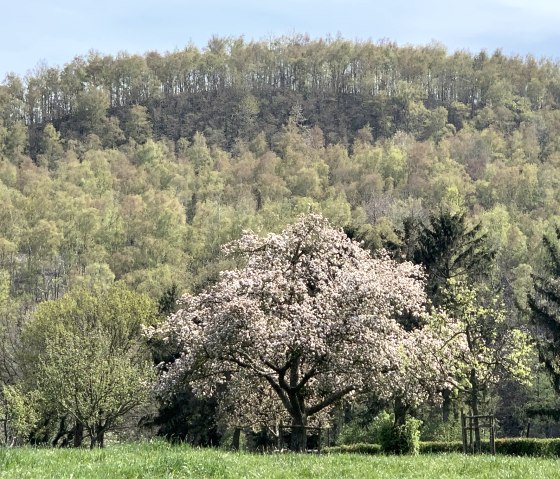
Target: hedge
x,y
528,447
358,448
506,447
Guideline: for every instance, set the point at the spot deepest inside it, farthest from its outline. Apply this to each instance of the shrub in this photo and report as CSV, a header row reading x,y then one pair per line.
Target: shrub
x,y
507,447
354,433
435,429
404,439
19,414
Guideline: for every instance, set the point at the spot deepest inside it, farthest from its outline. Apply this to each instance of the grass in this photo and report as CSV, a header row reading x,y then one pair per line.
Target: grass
x,y
161,460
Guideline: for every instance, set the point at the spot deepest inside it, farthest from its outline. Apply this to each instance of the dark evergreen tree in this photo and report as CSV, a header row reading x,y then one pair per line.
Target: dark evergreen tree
x,y
167,303
448,248
544,307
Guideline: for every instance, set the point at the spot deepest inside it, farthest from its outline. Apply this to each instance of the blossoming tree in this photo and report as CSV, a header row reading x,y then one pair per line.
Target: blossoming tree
x,y
310,319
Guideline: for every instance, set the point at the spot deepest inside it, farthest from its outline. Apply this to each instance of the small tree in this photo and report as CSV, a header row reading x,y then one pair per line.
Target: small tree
x,y
494,348
87,379
85,354
449,250
310,319
18,415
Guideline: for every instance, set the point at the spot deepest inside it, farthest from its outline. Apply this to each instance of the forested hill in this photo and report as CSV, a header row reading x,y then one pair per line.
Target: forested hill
x,y
140,167
235,89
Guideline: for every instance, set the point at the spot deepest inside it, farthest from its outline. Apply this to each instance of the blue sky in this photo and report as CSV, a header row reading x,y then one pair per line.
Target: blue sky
x,y
53,32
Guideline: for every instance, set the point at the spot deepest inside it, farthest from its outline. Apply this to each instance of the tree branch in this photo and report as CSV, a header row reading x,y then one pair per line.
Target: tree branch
x,y
330,400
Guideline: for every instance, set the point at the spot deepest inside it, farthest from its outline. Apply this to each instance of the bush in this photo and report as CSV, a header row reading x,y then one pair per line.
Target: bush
x,y
19,413
435,429
355,433
403,439
507,447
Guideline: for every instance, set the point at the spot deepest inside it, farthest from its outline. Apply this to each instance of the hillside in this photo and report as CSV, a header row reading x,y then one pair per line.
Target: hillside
x,y
138,168
248,134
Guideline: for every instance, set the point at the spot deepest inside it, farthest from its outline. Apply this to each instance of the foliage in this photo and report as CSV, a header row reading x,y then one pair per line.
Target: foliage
x,y
450,250
356,432
187,418
504,446
354,448
85,357
434,428
10,329
400,438
138,168
529,447
495,349
445,447
89,379
19,414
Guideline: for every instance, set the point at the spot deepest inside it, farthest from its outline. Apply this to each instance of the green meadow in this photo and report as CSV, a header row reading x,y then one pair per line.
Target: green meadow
x,y
161,460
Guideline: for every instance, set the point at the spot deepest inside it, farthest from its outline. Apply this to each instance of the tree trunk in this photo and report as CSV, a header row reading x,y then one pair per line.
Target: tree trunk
x,y
400,409
97,437
78,434
236,439
446,406
101,438
476,427
61,431
298,436
5,430
474,408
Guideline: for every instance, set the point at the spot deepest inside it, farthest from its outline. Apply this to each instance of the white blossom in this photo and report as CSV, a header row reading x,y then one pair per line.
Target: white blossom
x,y
311,318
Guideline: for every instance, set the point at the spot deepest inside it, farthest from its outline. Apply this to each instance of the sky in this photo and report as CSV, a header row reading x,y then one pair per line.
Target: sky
x,y
53,32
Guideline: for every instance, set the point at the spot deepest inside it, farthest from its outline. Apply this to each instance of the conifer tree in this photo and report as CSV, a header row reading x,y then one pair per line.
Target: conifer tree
x,y
544,307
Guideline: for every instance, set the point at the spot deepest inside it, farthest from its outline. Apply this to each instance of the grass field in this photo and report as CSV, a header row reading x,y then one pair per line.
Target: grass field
x,y
160,460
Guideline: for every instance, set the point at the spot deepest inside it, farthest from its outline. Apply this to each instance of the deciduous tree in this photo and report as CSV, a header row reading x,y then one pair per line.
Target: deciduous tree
x,y
310,319
84,354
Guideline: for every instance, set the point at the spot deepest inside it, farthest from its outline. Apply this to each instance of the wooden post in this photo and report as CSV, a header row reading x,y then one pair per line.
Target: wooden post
x,y
471,441
464,431
492,436
472,424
